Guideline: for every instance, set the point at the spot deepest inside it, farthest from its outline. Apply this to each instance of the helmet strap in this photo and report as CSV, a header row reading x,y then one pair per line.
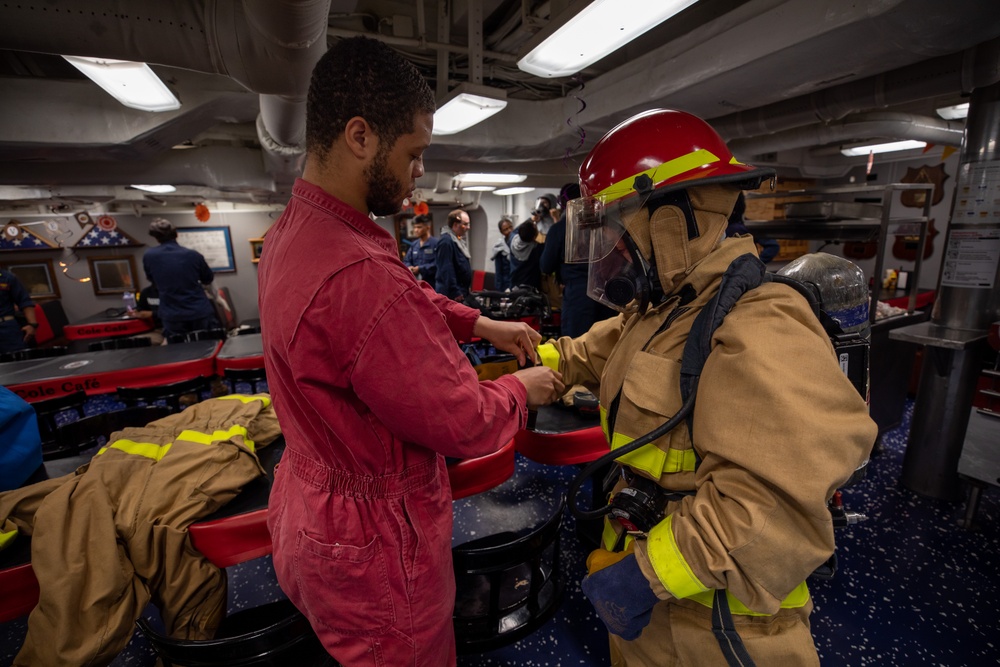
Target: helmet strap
x,y
680,200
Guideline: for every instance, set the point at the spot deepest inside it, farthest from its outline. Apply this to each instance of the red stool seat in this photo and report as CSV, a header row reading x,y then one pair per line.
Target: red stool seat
x,y
20,592
473,476
570,448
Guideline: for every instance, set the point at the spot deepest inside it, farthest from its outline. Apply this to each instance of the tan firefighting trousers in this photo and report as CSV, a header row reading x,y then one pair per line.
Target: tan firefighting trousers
x,y
112,537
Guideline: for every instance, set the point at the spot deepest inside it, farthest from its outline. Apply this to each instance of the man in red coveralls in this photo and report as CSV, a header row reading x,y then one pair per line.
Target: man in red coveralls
x,y
361,515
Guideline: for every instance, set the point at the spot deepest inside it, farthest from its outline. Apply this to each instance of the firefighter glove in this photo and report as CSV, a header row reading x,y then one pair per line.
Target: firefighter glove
x,y
622,596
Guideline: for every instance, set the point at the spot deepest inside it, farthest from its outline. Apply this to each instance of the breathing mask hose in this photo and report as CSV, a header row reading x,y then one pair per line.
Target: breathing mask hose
x,y
594,466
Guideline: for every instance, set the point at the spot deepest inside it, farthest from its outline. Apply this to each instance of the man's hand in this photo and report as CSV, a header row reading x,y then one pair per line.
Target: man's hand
x,y
414,269
515,337
544,385
29,331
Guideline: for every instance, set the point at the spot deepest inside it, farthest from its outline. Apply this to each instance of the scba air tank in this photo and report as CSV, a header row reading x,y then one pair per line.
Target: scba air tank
x,y
841,284
844,298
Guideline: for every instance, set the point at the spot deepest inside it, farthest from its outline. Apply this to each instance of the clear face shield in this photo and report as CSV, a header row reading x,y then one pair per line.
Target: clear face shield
x,y
596,234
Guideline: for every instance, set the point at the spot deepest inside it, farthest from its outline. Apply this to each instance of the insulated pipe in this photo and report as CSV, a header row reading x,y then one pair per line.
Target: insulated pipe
x,y
886,124
966,70
268,47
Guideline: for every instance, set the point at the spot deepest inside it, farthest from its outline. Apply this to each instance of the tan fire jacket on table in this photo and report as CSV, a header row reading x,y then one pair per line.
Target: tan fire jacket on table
x,y
111,537
776,424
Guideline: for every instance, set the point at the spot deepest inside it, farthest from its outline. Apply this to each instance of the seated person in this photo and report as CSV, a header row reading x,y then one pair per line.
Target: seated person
x,y
148,308
13,336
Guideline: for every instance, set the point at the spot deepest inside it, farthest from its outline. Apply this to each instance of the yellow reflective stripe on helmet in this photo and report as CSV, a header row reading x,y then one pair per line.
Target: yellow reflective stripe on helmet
x,y
6,538
796,599
246,399
218,436
658,174
669,564
549,356
145,449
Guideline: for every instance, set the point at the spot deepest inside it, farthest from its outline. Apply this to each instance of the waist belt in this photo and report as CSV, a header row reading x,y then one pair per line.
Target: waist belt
x,y
347,483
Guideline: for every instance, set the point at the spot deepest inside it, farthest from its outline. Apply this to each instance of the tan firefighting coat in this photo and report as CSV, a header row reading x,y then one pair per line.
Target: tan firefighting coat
x,y
111,537
777,427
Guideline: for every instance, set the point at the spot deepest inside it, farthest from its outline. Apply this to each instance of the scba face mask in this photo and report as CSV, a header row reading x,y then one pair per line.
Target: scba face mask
x,y
620,279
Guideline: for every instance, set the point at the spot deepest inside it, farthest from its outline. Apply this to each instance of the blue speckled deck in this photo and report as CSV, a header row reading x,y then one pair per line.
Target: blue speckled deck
x,y
914,587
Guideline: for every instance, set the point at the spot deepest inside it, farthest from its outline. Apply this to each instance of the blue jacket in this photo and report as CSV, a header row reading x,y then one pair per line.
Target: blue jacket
x,y
12,293
179,274
454,272
422,256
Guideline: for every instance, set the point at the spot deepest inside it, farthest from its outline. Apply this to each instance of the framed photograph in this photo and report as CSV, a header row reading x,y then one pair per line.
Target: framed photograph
x,y
256,246
112,275
214,243
39,278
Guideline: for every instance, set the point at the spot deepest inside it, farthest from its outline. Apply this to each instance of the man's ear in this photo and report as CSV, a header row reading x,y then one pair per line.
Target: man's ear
x,y
360,140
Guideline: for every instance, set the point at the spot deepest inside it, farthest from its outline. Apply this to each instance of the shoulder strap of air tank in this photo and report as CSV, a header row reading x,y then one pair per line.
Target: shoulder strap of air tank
x,y
744,273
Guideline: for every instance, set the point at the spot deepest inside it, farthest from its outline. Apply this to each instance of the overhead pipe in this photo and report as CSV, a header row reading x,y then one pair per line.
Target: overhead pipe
x,y
965,70
268,47
878,124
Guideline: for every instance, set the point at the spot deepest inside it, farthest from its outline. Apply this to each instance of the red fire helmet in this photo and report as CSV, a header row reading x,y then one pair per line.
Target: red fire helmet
x,y
662,149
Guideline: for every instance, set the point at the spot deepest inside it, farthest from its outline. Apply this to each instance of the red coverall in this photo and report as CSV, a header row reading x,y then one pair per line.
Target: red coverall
x,y
371,391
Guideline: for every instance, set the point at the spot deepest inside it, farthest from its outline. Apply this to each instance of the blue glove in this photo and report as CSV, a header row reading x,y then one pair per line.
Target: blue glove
x,y
622,596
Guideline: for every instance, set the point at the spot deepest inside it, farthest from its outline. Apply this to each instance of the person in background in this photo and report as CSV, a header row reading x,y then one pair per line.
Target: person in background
x,y
736,517
181,277
525,251
361,507
420,257
767,248
453,259
543,211
501,255
406,237
14,337
579,312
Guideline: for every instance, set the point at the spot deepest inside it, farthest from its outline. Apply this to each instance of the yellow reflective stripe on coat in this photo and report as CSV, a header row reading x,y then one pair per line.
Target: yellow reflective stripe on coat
x,y
651,459
658,174
145,449
218,436
246,399
157,452
549,356
6,538
797,598
669,564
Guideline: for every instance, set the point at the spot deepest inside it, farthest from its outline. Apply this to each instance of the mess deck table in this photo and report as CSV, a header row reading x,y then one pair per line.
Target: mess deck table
x,y
104,325
103,371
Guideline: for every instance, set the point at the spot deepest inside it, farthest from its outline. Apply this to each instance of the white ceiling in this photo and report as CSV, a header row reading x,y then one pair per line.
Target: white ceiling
x,y
780,80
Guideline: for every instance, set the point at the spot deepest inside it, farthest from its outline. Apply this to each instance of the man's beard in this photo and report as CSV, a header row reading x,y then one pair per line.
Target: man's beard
x,y
385,191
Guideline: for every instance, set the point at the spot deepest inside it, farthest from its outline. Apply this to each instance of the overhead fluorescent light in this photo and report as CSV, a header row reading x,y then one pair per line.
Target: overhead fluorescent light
x,y
158,189
132,84
474,179
516,190
889,147
954,112
479,188
466,105
602,27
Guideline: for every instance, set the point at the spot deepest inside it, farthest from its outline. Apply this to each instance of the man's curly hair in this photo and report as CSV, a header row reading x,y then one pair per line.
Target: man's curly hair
x,y
363,77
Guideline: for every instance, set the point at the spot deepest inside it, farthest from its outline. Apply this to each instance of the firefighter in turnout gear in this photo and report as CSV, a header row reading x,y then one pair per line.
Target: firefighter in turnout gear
x,y
776,428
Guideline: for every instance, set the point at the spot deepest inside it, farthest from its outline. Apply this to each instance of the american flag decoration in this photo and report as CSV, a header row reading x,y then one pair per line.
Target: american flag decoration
x,y
106,234
15,237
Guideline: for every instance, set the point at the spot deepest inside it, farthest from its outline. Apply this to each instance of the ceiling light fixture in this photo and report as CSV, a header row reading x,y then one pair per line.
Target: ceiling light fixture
x,y
466,105
954,112
479,188
132,84
908,144
600,28
158,189
485,179
516,190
